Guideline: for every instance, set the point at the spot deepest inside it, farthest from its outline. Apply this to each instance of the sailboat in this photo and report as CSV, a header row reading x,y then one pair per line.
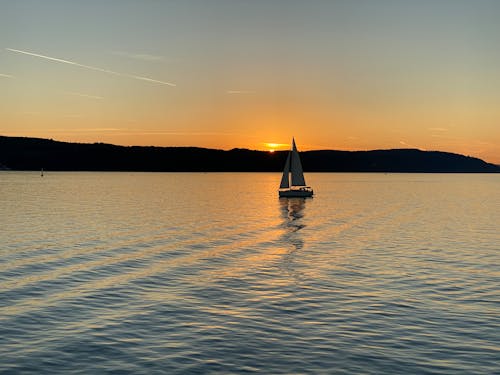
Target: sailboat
x,y
296,185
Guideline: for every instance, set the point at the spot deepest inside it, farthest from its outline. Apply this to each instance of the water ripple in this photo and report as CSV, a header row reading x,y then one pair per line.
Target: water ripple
x,y
211,273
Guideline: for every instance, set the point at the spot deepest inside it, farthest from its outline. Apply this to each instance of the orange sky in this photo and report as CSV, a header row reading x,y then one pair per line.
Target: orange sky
x,y
336,75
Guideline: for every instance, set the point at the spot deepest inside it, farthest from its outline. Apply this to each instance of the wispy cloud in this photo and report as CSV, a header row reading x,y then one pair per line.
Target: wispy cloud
x,y
180,133
83,130
73,115
31,113
85,95
139,56
438,129
136,132
234,92
275,145
411,146
91,67
6,75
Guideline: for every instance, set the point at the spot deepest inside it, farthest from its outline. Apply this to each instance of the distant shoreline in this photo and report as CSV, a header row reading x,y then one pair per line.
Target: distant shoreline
x,y
21,153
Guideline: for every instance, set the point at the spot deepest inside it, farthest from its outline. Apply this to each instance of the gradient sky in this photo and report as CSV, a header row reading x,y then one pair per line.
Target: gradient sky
x,y
350,74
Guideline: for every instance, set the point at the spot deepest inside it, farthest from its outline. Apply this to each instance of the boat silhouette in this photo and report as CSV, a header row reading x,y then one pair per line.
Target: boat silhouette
x,y
293,183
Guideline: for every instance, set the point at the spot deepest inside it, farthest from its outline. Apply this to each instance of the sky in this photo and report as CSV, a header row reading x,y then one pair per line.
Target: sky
x,y
339,74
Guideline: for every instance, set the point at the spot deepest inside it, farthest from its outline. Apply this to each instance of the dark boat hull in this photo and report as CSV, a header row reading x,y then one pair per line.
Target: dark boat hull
x,y
293,193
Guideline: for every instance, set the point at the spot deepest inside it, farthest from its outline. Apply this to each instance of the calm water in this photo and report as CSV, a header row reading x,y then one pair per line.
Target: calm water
x,y
199,273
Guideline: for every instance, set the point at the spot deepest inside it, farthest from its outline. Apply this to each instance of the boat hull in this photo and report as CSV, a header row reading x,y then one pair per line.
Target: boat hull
x,y
296,193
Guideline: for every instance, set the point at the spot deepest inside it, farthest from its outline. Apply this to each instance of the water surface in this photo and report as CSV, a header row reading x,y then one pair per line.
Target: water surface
x,y
200,273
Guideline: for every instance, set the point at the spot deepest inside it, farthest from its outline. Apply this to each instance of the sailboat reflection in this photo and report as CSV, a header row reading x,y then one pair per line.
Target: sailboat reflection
x,y
292,210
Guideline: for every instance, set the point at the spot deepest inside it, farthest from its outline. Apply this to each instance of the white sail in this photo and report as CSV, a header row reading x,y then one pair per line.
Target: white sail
x,y
285,179
296,167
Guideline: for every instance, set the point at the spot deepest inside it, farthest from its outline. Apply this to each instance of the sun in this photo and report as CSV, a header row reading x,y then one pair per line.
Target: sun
x,y
271,147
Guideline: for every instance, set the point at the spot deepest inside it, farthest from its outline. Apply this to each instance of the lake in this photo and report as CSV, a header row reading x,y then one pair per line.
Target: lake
x,y
212,273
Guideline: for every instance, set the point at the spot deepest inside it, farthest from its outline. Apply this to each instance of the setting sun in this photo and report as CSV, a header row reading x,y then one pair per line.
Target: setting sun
x,y
275,146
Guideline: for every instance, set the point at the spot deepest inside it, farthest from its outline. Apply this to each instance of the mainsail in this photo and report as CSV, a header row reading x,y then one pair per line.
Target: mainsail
x,y
296,167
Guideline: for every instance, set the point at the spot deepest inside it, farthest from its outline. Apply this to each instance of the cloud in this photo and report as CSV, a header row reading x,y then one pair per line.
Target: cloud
x,y
232,92
438,129
82,130
140,132
31,113
411,146
275,145
85,95
74,115
139,56
180,133
6,75
91,67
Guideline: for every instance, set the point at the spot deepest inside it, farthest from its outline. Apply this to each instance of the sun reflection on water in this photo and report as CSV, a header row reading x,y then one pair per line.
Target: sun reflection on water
x,y
212,267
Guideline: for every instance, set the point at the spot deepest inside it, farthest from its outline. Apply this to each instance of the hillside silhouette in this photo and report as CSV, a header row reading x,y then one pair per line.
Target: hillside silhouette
x,y
19,153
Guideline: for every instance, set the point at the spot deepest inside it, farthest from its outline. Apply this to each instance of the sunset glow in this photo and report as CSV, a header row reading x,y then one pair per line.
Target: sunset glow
x,y
276,146
218,74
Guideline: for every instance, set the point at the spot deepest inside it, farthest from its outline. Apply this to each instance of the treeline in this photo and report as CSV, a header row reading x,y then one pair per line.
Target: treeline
x,y
19,153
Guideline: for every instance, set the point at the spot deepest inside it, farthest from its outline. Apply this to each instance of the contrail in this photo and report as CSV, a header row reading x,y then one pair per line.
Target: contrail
x,y
91,67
